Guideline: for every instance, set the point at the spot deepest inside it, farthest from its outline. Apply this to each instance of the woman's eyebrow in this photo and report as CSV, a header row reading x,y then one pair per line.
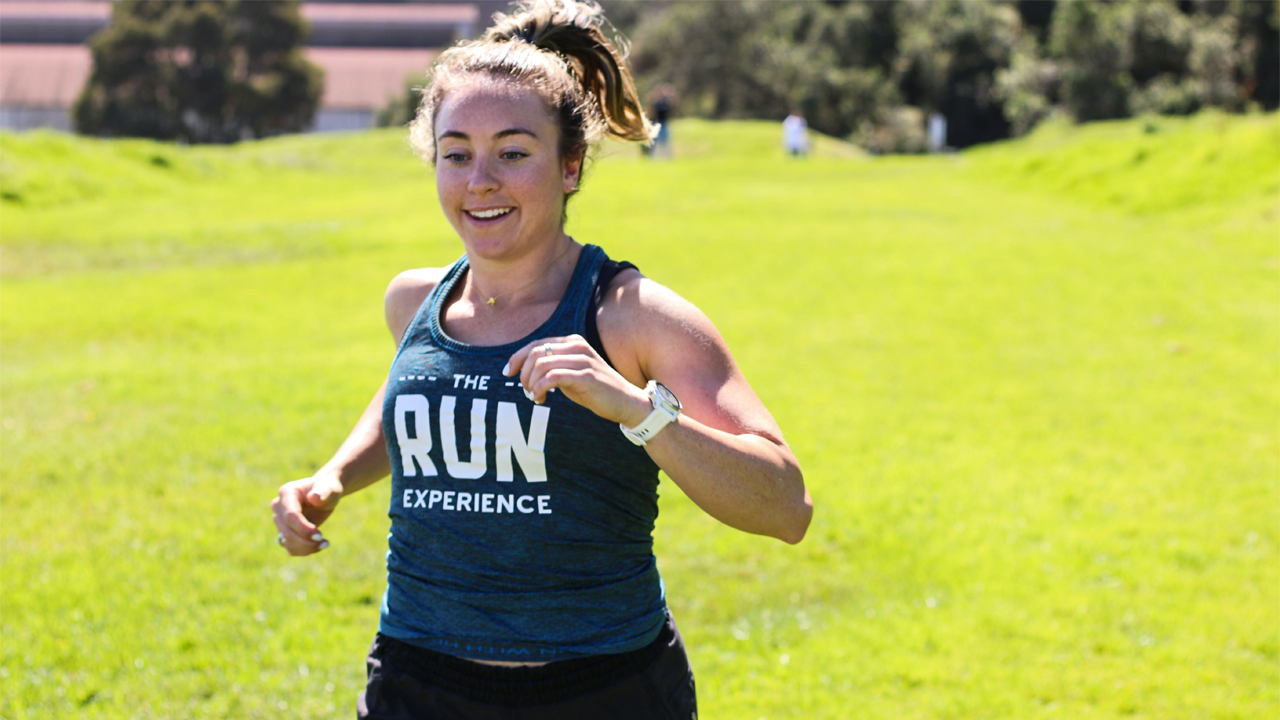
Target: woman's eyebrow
x,y
496,136
514,131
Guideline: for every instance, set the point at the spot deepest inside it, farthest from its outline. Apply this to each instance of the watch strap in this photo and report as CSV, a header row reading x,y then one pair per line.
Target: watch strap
x,y
660,417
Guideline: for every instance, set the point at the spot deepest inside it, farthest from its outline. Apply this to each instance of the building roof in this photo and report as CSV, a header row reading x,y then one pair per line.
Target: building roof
x,y
451,13
42,75
355,78
52,22
389,25
368,77
367,50
422,24
14,9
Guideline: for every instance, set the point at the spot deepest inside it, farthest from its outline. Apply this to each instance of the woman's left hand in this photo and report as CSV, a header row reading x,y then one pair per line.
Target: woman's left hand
x,y
569,364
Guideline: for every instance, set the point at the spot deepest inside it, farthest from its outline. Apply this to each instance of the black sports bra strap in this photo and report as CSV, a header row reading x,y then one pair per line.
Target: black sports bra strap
x,y
608,271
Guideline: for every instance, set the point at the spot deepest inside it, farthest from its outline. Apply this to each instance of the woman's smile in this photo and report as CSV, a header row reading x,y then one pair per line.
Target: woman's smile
x,y
490,217
483,215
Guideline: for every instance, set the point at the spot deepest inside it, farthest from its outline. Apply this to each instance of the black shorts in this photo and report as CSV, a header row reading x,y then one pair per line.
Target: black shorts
x,y
407,682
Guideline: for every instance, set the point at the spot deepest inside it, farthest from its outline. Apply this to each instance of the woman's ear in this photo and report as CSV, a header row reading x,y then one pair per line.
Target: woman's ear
x,y
572,166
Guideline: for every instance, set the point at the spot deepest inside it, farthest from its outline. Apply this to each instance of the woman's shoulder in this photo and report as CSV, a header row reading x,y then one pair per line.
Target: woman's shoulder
x,y
406,293
639,316
633,300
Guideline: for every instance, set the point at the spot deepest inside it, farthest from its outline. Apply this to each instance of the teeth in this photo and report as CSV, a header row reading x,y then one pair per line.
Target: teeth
x,y
487,214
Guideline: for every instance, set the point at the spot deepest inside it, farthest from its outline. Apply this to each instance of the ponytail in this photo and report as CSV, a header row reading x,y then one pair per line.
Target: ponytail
x,y
572,30
558,48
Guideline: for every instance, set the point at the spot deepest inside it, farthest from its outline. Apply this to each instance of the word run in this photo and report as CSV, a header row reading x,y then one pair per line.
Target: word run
x,y
457,501
413,433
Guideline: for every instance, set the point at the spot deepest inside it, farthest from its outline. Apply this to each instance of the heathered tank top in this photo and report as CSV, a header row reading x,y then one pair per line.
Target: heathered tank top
x,y
519,532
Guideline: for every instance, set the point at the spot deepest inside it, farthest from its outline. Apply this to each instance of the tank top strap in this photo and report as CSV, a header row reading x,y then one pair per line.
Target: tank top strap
x,y
435,306
583,286
430,305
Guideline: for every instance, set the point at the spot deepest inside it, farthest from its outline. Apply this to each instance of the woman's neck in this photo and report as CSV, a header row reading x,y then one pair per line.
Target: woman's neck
x,y
539,276
525,293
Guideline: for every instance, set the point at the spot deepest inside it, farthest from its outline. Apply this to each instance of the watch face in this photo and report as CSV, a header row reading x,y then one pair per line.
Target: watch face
x,y
666,397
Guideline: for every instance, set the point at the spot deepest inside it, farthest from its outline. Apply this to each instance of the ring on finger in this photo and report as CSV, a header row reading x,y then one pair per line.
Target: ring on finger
x,y
280,538
546,348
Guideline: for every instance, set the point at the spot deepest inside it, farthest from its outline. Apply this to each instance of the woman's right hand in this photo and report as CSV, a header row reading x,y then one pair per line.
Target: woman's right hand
x,y
300,508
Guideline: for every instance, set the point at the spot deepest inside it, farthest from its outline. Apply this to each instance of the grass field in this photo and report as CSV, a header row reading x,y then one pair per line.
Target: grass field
x,y
1035,388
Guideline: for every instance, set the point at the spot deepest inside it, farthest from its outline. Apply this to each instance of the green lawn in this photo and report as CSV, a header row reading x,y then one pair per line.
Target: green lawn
x,y
1035,388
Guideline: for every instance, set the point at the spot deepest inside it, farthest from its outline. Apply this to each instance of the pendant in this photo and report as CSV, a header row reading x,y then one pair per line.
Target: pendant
x,y
492,300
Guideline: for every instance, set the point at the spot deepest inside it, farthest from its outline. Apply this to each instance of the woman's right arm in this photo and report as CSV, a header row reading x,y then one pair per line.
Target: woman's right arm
x,y
302,505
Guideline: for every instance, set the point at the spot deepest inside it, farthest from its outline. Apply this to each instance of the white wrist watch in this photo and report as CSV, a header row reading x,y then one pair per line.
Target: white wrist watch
x,y
666,406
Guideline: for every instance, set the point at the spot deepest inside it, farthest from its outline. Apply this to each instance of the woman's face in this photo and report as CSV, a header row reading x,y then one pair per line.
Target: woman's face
x,y
499,173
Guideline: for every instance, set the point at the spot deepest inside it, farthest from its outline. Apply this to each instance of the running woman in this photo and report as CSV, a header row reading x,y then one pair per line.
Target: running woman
x,y
537,390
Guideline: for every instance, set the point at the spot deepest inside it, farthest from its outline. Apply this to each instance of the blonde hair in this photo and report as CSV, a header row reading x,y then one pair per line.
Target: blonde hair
x,y
556,47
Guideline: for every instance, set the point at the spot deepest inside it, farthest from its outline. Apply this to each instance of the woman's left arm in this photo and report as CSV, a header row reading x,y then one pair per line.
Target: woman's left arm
x,y
724,450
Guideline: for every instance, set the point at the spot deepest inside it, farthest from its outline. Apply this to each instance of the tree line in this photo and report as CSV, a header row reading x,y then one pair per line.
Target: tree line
x,y
866,70
871,71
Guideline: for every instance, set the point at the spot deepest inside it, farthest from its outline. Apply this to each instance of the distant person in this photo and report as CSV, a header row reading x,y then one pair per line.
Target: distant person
x,y
795,134
937,132
663,100
537,390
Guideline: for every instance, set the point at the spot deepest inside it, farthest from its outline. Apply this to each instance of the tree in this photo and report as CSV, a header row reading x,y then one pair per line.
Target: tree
x,y
402,109
1091,50
1029,87
844,78
1116,59
721,56
200,72
1160,40
1260,45
759,59
950,53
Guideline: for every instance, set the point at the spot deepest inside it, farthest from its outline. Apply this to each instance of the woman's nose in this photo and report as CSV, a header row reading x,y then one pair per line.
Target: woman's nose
x,y
482,177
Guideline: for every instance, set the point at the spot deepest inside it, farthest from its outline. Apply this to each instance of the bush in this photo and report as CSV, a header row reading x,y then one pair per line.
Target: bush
x,y
896,130
400,110
200,72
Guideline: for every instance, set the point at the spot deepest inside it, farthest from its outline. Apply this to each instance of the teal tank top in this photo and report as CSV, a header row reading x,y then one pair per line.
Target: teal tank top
x,y
519,532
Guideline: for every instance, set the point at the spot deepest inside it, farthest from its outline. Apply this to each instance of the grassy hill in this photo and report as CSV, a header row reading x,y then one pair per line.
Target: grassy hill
x,y
1149,165
1034,388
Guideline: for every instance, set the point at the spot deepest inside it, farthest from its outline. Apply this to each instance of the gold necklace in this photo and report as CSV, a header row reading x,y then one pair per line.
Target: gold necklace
x,y
493,299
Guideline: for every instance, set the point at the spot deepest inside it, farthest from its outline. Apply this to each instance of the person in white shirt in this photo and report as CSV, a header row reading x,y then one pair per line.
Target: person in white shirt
x,y
795,134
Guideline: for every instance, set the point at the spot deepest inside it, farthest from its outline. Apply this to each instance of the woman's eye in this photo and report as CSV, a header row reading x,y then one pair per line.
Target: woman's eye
x,y
512,155
455,157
